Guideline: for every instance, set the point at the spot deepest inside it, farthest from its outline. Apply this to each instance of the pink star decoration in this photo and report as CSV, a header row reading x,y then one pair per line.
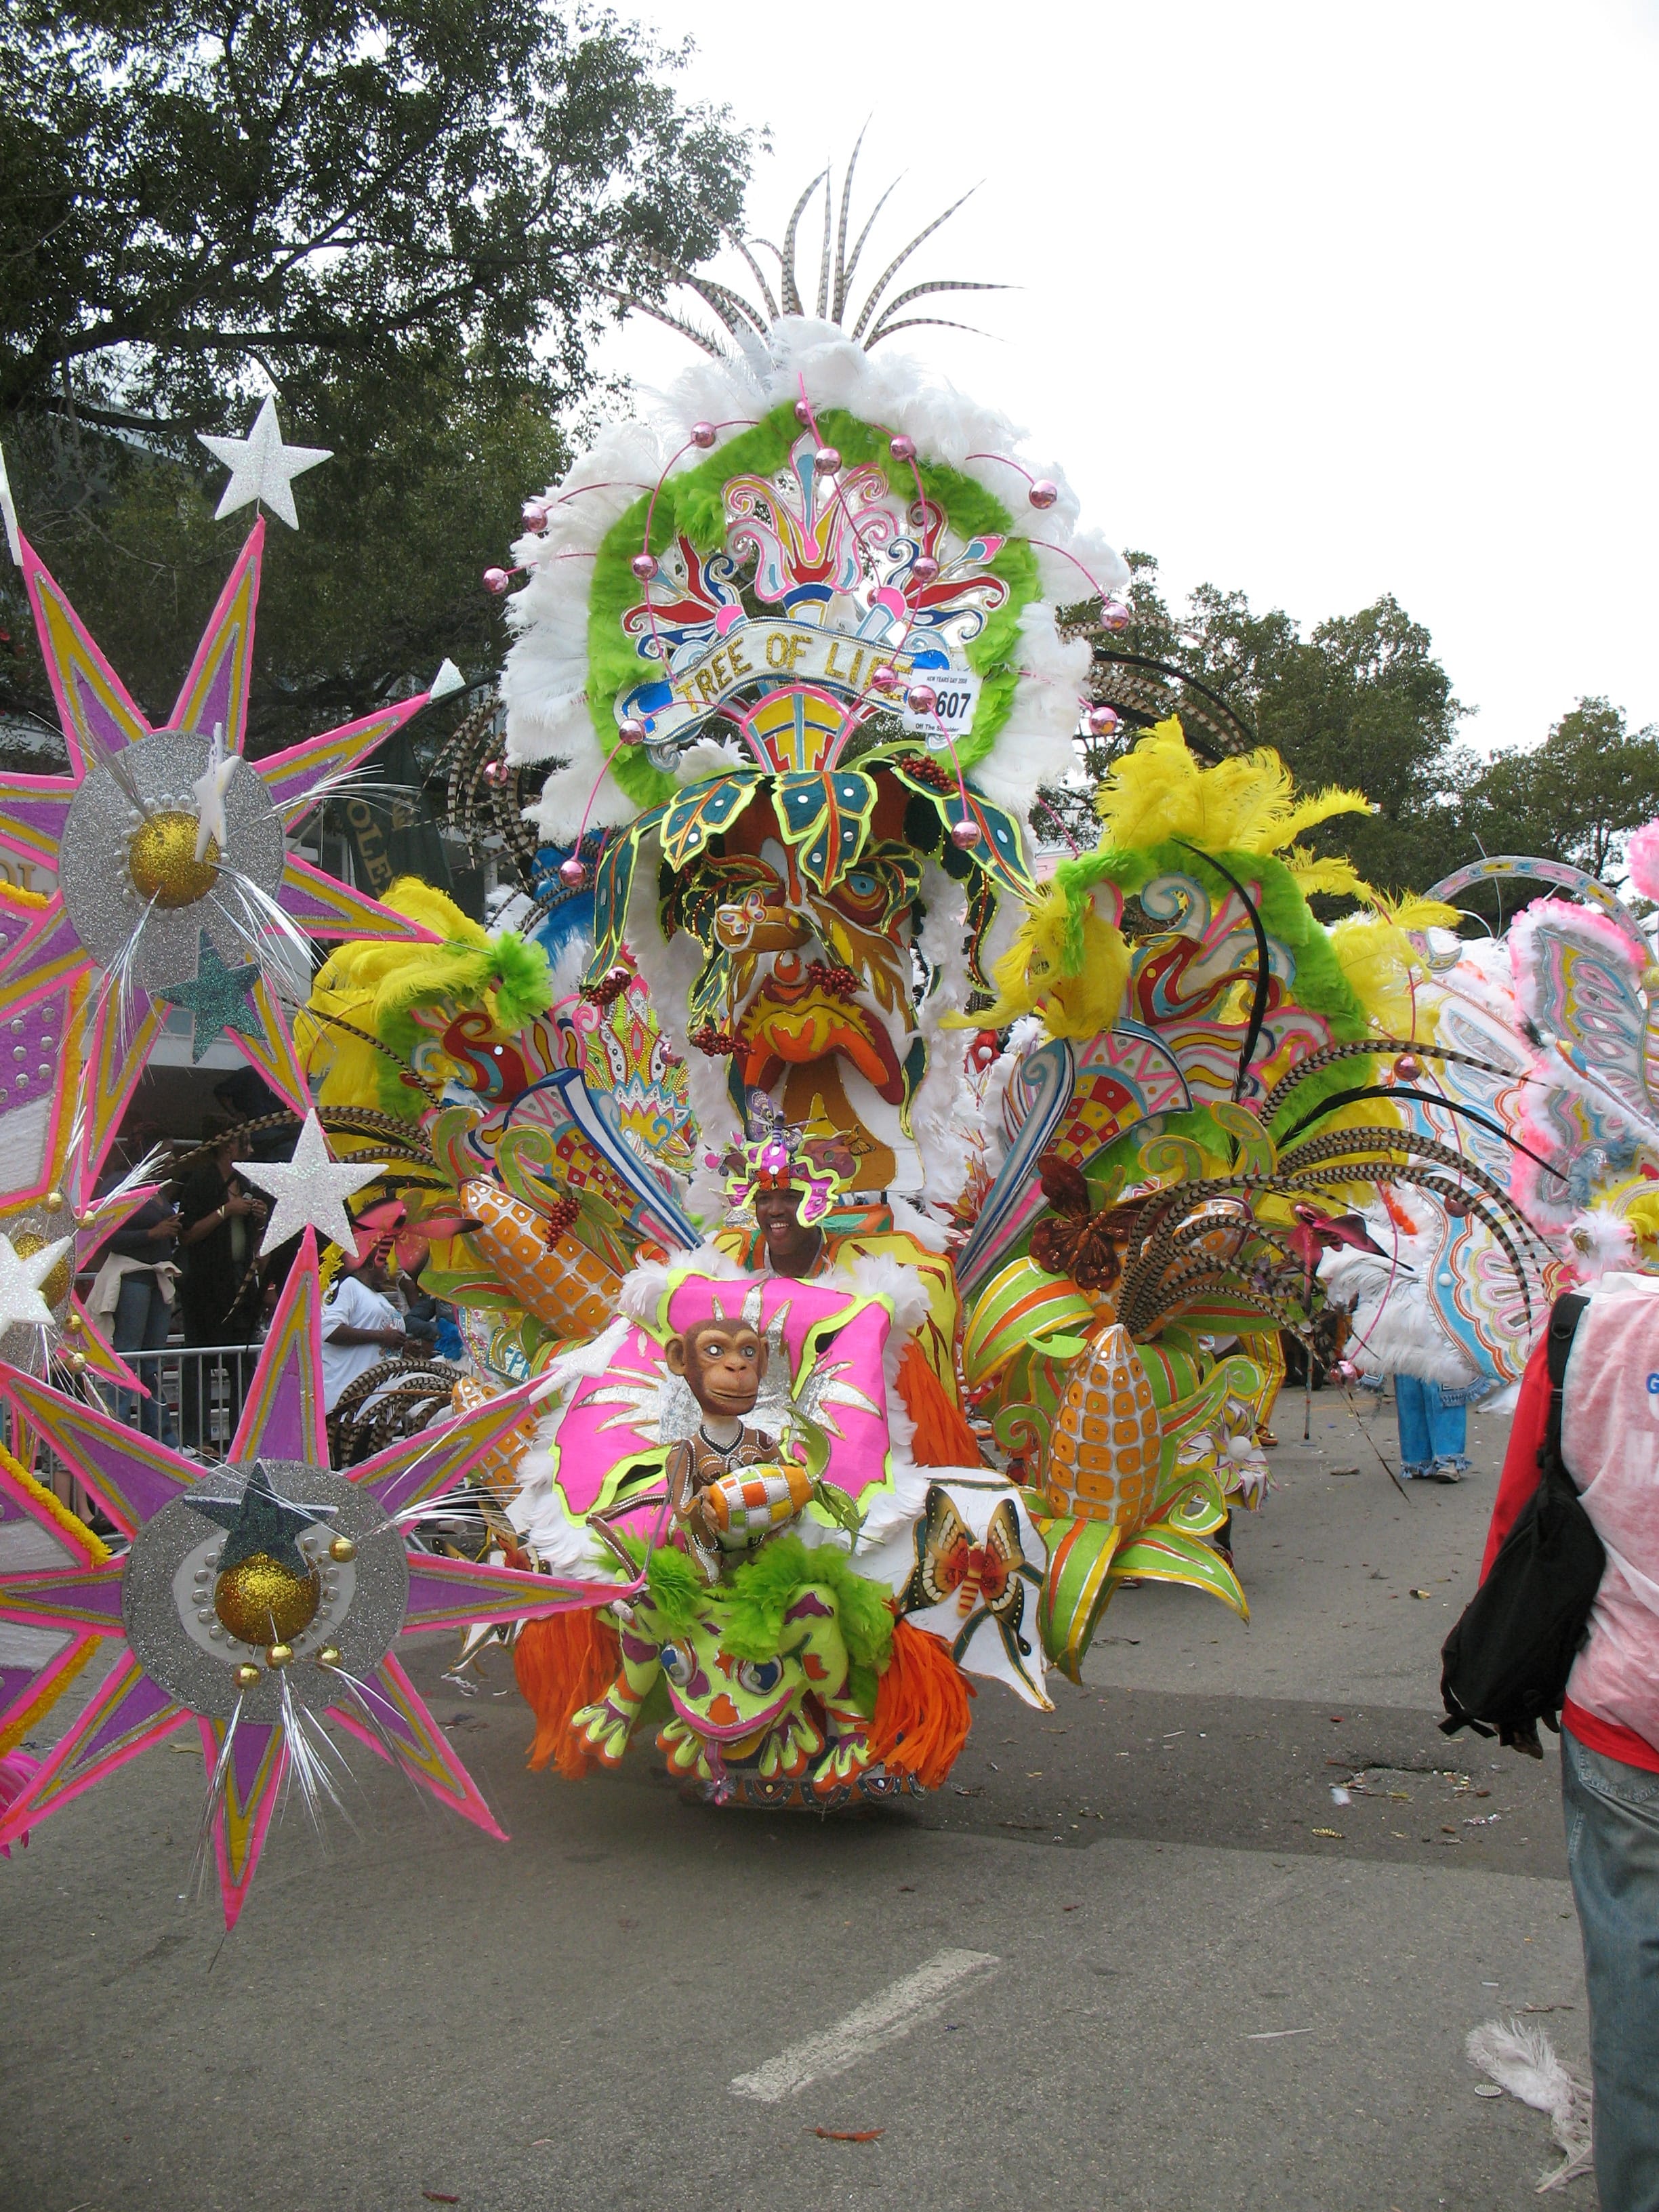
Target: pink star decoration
x,y
133,1479
101,727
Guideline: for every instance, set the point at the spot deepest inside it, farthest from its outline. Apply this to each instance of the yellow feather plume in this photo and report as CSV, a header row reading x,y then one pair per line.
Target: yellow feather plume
x,y
376,986
1243,805
1030,977
1382,964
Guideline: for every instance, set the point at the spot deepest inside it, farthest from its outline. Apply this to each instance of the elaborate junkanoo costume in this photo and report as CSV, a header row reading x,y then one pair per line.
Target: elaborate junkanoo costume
x,y
849,1202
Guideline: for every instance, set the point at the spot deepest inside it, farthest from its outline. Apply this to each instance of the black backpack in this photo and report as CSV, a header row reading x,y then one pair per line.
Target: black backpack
x,y
1504,1666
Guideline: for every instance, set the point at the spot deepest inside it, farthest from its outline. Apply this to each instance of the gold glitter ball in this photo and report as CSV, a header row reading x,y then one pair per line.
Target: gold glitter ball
x,y
258,1598
56,1288
246,1676
329,1656
343,1548
279,1655
55,1201
162,861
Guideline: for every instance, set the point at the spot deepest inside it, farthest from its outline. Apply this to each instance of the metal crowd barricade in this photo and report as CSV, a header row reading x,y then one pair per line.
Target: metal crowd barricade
x,y
196,1391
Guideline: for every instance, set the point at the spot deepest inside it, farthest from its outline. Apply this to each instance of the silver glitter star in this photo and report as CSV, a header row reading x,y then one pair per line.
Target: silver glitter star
x,y
310,1189
262,467
20,1283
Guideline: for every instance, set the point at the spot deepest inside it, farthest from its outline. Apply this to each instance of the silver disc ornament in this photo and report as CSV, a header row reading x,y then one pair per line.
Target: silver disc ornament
x,y
127,870
256,1561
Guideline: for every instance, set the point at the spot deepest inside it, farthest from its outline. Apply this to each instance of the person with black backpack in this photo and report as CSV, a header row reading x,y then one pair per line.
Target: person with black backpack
x,y
1565,1628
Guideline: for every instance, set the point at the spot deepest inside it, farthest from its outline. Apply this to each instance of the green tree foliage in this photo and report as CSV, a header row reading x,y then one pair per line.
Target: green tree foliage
x,y
1576,799
408,221
1361,702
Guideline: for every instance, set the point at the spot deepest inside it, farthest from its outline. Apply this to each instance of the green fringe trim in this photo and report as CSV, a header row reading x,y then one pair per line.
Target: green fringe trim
x,y
750,1607
694,502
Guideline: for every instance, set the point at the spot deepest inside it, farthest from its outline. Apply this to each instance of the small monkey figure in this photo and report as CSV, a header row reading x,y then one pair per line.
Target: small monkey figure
x,y
723,1364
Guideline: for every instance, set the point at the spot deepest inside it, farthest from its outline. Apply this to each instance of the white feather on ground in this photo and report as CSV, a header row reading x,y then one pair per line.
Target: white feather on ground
x,y
1523,2061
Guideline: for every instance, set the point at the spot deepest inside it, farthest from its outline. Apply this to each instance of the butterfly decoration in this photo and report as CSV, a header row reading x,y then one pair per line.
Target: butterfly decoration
x,y
973,1582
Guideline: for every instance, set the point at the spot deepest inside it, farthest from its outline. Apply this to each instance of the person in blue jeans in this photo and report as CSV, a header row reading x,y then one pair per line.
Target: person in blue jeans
x,y
1610,1714
1433,1429
143,1311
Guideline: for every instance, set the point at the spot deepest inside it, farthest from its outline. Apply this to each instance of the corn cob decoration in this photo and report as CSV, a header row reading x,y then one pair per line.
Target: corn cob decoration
x,y
498,1469
1106,1446
569,1288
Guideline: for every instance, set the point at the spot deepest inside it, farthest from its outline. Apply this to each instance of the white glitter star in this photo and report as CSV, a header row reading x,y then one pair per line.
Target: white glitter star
x,y
262,467
20,1303
210,793
310,1189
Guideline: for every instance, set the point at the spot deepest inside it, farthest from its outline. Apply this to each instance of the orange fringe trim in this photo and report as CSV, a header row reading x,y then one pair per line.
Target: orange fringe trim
x,y
562,1664
943,1439
921,1719
1396,1213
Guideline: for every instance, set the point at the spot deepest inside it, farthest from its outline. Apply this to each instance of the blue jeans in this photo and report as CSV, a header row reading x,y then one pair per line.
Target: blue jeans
x,y
141,1325
1432,1432
1612,1855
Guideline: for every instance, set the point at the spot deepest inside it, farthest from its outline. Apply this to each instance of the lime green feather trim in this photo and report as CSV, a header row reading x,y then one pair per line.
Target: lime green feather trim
x,y
751,1607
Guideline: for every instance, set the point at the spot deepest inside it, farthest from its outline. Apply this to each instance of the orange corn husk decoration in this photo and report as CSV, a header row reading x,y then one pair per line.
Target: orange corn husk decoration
x,y
565,1286
943,1437
564,1663
498,1469
921,1719
1105,1447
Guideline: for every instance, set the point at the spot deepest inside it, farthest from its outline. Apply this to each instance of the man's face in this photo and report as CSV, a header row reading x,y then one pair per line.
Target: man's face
x,y
723,1363
373,1272
778,1212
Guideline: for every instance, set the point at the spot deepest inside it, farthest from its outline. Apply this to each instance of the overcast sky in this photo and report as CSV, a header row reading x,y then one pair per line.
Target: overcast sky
x,y
1317,301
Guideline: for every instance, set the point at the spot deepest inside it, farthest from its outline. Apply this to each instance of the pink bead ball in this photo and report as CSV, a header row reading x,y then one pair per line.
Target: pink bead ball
x,y
902,449
496,771
924,569
631,731
534,515
803,412
1103,720
497,579
644,565
1113,615
703,435
965,834
921,698
572,873
1457,1208
884,678
827,460
1042,493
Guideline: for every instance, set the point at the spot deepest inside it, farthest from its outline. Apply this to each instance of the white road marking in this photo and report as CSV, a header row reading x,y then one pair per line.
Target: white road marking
x,y
884,2020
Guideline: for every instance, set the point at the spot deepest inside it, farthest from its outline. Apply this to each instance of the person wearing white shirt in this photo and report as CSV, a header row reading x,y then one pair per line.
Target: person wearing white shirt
x,y
362,1327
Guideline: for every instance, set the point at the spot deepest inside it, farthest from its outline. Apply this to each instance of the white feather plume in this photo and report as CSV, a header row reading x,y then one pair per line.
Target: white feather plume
x,y
544,686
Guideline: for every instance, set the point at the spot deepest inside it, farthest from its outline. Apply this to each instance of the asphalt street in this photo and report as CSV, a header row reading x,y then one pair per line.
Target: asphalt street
x,y
1138,1955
